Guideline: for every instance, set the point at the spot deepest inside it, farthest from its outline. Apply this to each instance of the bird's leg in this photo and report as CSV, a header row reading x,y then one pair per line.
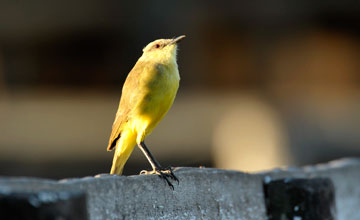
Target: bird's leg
x,y
164,173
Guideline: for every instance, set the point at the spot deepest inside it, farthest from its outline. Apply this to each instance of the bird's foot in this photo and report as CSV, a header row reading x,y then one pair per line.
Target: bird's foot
x,y
163,173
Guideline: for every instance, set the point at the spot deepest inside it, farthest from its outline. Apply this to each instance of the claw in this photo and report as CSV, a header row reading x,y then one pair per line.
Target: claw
x,y
172,175
163,173
167,181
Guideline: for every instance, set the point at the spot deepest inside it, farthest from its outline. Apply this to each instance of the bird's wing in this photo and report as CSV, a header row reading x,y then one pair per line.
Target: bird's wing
x,y
128,101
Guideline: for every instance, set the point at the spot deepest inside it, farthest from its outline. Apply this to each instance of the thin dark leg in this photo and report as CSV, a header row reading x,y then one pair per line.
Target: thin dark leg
x,y
154,163
164,173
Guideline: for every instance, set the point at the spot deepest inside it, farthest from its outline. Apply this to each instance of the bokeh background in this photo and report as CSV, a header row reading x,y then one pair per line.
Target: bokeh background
x,y
264,84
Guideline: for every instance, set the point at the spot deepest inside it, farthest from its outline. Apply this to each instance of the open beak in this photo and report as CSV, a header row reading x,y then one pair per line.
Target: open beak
x,y
178,39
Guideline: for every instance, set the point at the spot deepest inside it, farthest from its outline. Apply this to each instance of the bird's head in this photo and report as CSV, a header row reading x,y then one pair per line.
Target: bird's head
x,y
162,50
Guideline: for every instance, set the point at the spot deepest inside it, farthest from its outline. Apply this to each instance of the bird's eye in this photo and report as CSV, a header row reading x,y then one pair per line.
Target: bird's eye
x,y
157,45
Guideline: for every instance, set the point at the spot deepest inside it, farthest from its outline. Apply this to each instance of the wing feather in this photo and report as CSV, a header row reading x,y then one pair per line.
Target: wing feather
x,y
128,101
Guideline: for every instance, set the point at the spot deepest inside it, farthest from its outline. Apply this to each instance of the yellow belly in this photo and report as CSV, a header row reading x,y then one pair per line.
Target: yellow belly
x,y
158,97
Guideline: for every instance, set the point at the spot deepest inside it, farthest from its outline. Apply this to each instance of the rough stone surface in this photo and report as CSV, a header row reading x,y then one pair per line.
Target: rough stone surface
x,y
203,193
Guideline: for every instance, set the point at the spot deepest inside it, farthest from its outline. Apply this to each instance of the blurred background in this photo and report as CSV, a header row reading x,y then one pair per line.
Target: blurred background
x,y
264,84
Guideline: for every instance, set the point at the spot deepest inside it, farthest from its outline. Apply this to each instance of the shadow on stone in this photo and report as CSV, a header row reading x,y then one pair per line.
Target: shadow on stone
x,y
300,199
43,205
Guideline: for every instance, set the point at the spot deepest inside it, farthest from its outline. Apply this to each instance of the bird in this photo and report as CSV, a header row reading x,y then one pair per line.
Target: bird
x,y
147,95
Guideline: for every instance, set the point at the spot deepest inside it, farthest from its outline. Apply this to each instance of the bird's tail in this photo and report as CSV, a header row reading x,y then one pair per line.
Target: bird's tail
x,y
124,147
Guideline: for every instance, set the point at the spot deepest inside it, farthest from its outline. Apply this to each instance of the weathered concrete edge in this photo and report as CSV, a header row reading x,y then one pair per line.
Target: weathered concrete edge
x,y
345,174
202,193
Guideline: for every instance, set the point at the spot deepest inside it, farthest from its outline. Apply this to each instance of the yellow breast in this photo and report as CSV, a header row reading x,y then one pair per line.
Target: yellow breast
x,y
159,87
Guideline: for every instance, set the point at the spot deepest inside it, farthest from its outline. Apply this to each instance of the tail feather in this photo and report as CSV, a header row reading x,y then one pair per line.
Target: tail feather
x,y
124,147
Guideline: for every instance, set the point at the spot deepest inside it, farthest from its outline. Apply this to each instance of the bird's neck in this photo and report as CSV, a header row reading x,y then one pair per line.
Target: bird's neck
x,y
163,58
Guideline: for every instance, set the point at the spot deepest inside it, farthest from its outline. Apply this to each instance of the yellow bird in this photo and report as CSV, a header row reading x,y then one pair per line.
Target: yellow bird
x,y
147,95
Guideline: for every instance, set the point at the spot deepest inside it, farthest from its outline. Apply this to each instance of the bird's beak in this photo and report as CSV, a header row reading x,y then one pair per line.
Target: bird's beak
x,y
178,39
